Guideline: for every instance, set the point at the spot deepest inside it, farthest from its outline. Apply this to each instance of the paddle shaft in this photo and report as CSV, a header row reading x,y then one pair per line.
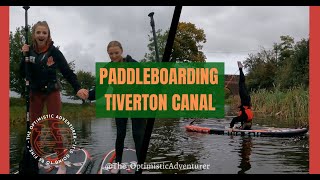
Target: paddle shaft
x,y
26,58
165,58
154,36
27,164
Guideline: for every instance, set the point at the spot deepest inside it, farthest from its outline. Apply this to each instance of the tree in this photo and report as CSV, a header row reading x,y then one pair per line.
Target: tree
x,y
295,68
300,62
16,41
286,48
161,40
187,43
285,66
86,80
186,47
261,69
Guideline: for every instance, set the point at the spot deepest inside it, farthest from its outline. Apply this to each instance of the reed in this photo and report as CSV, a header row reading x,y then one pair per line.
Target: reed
x,y
289,105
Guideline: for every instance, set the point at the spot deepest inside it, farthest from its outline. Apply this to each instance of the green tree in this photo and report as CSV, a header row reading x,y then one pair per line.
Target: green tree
x,y
161,41
261,69
300,63
86,80
16,41
294,70
285,66
187,45
286,49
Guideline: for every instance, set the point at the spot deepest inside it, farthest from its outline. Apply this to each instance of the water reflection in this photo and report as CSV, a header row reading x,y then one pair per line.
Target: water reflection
x,y
167,146
244,153
170,143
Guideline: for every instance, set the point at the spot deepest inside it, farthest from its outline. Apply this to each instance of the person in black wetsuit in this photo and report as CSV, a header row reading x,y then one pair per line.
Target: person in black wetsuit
x,y
245,115
115,51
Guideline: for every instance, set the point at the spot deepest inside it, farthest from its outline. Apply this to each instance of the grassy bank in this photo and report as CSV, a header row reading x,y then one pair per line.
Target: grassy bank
x,y
69,110
290,105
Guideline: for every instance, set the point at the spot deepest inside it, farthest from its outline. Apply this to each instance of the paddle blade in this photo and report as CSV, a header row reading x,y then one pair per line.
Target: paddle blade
x,y
28,165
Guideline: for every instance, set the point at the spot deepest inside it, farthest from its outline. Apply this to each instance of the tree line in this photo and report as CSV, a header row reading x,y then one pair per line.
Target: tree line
x,y
286,65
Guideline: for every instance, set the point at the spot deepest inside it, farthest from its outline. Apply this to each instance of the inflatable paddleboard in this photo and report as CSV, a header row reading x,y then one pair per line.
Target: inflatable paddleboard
x,y
271,132
76,163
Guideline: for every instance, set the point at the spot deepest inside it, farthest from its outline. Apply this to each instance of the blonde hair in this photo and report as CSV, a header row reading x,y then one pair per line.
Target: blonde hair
x,y
113,44
40,23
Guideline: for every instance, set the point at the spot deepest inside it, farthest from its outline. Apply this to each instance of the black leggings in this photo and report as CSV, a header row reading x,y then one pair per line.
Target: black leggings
x,y
245,101
138,129
243,92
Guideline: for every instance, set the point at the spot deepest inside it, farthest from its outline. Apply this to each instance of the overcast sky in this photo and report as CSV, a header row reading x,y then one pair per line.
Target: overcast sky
x,y
84,32
232,32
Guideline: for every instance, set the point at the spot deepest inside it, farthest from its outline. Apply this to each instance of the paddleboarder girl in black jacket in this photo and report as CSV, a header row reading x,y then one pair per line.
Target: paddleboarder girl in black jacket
x,y
44,86
115,51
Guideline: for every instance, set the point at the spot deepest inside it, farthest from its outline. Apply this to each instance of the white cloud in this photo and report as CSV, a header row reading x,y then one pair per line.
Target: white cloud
x,y
83,32
232,32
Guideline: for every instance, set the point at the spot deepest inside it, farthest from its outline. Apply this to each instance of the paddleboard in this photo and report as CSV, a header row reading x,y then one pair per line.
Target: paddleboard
x,y
271,132
76,162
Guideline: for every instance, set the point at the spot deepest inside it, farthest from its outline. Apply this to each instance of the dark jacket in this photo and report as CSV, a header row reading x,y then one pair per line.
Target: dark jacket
x,y
92,92
43,77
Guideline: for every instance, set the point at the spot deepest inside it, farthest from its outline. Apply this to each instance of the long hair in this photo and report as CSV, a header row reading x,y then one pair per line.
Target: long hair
x,y
34,42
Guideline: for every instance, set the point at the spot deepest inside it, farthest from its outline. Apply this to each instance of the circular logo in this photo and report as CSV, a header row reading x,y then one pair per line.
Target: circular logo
x,y
52,139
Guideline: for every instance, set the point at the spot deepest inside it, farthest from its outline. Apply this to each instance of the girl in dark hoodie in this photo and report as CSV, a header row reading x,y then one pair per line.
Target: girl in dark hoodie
x,y
115,51
45,88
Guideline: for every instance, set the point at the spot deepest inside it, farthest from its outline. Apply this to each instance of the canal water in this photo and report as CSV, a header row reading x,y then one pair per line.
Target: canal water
x,y
171,144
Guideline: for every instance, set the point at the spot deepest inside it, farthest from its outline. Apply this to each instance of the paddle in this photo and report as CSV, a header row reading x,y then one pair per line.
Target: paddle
x,y
165,58
150,121
193,121
28,164
231,78
154,36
